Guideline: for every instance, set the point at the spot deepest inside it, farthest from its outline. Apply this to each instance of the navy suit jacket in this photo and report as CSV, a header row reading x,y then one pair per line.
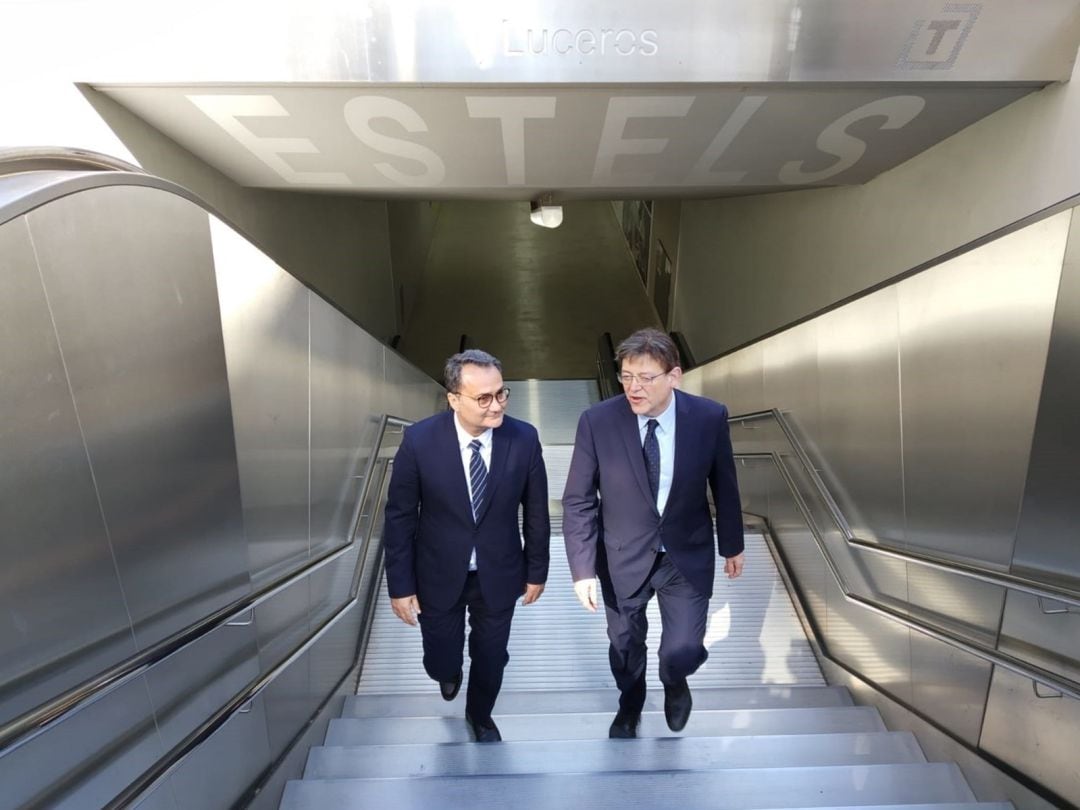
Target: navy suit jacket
x,y
607,497
429,531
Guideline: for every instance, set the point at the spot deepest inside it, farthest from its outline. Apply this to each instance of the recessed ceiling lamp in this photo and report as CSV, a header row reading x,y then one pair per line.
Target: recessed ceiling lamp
x,y
544,212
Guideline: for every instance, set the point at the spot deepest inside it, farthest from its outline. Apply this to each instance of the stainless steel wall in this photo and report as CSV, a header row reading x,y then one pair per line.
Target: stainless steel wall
x,y
183,420
924,404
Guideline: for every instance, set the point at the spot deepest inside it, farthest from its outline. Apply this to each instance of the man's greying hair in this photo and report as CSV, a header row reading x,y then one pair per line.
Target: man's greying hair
x,y
476,357
649,343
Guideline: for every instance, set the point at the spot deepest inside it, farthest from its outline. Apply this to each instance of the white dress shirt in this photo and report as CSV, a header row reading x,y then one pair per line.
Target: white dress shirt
x,y
464,440
665,437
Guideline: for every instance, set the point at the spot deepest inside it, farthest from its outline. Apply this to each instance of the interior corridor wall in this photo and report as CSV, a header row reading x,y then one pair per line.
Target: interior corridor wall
x,y
749,266
412,226
186,422
938,413
338,245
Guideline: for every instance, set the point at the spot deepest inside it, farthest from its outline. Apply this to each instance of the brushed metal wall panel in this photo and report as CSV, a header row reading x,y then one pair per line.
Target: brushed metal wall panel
x,y
196,681
330,586
333,654
288,704
1046,535
799,547
858,571
791,382
64,617
552,406
1035,734
928,396
264,320
219,771
1042,631
87,760
878,578
877,648
973,340
139,326
161,798
282,624
949,685
967,607
858,442
346,382
408,392
754,475
743,381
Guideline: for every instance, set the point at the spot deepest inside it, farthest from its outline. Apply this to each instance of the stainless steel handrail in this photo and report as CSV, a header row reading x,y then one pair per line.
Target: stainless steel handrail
x,y
21,730
1003,580
1015,665
153,776
1024,669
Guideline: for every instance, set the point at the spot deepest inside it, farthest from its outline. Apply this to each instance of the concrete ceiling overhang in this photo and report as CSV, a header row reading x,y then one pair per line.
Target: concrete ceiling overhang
x,y
686,98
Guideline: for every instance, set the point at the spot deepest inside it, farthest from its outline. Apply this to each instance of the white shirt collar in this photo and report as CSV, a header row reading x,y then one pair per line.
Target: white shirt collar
x,y
465,438
666,420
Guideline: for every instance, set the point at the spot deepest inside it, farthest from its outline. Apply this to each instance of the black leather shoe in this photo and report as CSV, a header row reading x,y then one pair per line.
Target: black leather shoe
x,y
624,726
677,703
449,689
484,732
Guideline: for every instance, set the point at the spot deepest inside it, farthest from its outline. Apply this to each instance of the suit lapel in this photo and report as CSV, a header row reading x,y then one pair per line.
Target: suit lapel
x,y
452,450
684,440
500,451
631,435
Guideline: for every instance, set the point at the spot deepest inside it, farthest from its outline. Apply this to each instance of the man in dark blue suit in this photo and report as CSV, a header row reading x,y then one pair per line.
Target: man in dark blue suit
x,y
635,513
451,537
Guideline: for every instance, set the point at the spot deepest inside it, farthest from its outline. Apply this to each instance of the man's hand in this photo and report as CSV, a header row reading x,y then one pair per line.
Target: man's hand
x,y
532,593
733,566
406,608
586,593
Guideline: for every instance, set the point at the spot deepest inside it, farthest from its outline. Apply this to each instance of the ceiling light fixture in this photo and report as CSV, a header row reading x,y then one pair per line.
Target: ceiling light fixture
x,y
544,212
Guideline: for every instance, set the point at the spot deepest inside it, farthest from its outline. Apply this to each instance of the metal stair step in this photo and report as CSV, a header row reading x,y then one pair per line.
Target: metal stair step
x,y
934,806
596,700
591,726
832,786
582,756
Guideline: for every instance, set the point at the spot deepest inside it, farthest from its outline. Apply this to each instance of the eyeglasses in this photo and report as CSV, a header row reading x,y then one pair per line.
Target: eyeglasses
x,y
485,400
645,379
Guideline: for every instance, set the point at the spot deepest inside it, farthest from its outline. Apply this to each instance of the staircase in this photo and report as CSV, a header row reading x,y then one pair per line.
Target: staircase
x,y
796,744
763,747
792,743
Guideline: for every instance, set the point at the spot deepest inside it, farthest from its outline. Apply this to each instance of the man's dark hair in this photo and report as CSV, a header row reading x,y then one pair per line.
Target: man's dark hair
x,y
649,343
476,357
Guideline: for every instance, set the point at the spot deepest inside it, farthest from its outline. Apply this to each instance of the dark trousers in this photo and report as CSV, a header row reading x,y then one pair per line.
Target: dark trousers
x,y
683,617
443,632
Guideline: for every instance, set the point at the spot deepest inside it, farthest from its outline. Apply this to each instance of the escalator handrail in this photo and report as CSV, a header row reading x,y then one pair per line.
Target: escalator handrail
x,y
60,159
686,357
606,370
31,724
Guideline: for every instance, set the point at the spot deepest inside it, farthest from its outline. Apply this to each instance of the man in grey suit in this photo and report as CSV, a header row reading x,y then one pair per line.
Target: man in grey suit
x,y
637,516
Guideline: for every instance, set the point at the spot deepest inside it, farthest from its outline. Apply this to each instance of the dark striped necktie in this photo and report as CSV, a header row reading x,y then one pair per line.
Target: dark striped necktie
x,y
651,449
477,477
